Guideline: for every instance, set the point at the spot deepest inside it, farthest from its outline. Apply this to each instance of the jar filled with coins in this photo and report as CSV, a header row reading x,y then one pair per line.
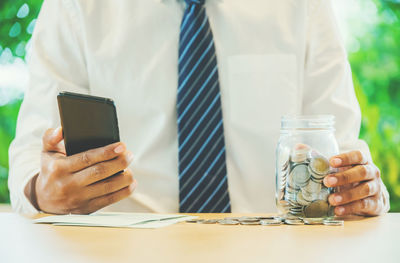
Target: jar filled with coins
x,y
306,143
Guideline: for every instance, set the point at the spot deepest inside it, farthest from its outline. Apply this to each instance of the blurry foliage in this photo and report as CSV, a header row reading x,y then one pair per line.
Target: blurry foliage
x,y
376,69
376,73
17,20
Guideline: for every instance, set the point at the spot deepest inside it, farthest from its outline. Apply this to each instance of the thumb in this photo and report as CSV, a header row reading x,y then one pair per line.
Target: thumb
x,y
53,140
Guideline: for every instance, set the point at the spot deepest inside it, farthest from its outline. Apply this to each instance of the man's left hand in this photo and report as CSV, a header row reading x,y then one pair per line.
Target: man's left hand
x,y
358,185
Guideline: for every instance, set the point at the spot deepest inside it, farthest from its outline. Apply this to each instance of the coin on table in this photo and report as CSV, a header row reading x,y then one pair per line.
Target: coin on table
x,y
266,217
313,221
332,222
300,175
209,221
250,222
248,219
270,222
232,218
279,218
228,222
318,208
320,165
194,220
294,222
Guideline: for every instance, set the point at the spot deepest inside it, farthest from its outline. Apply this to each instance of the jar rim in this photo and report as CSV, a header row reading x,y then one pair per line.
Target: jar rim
x,y
308,122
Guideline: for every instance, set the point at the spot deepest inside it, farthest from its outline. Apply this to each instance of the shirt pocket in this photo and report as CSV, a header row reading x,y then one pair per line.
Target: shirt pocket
x,y
261,88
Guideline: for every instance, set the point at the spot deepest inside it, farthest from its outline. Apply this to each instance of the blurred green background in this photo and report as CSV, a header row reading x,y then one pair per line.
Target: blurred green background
x,y
371,29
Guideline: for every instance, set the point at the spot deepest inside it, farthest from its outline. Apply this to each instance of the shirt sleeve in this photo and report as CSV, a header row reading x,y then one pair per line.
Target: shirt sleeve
x,y
328,84
57,63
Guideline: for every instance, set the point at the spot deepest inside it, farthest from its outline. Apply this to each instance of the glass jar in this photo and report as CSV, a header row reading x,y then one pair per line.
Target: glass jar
x,y
306,143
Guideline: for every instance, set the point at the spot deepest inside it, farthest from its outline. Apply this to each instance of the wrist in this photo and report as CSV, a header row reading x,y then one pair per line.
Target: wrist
x,y
30,192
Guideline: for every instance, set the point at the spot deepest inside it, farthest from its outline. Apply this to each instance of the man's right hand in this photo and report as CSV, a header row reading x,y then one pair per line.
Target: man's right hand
x,y
82,183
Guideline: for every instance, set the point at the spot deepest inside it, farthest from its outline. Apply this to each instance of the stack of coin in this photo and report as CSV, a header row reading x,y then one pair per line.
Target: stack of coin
x,y
269,221
301,191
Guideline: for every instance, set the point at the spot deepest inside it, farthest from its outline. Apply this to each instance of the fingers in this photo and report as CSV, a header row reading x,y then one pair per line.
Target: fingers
x,y
88,158
355,174
348,159
370,206
105,200
51,139
102,170
110,185
359,192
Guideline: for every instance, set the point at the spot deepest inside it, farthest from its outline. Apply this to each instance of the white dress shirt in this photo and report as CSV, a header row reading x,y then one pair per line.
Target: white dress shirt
x,y
274,58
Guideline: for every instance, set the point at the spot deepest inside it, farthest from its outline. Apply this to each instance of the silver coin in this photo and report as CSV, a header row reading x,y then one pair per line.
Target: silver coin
x,y
324,193
300,175
266,217
312,187
300,153
194,220
232,218
313,221
279,218
330,222
249,219
228,222
209,221
291,184
301,200
290,217
294,222
250,223
285,166
270,222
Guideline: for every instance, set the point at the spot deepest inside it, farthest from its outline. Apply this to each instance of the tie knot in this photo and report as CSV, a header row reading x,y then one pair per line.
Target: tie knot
x,y
195,2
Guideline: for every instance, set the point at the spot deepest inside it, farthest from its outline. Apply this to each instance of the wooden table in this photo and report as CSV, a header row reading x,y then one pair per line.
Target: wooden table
x,y
367,240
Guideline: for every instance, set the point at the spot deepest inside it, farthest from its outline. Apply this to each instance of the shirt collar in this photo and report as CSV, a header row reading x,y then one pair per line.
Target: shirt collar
x,y
160,1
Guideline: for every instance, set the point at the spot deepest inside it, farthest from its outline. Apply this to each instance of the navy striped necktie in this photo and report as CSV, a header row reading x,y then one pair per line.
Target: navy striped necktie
x,y
203,186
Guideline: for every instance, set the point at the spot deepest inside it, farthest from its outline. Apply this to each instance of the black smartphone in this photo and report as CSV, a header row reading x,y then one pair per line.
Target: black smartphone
x,y
88,122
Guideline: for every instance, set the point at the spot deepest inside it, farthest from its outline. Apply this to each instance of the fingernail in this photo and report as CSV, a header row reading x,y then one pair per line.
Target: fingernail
x,y
340,210
130,157
56,131
133,185
332,181
119,149
336,161
338,199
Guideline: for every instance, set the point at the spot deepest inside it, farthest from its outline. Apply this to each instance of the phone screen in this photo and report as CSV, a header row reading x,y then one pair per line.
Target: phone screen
x,y
88,122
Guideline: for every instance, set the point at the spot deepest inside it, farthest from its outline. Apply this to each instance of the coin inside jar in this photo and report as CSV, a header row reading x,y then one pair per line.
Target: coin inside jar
x,y
319,165
300,175
318,208
299,155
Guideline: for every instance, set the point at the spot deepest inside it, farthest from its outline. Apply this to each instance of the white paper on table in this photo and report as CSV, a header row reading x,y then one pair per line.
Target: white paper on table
x,y
148,224
133,220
